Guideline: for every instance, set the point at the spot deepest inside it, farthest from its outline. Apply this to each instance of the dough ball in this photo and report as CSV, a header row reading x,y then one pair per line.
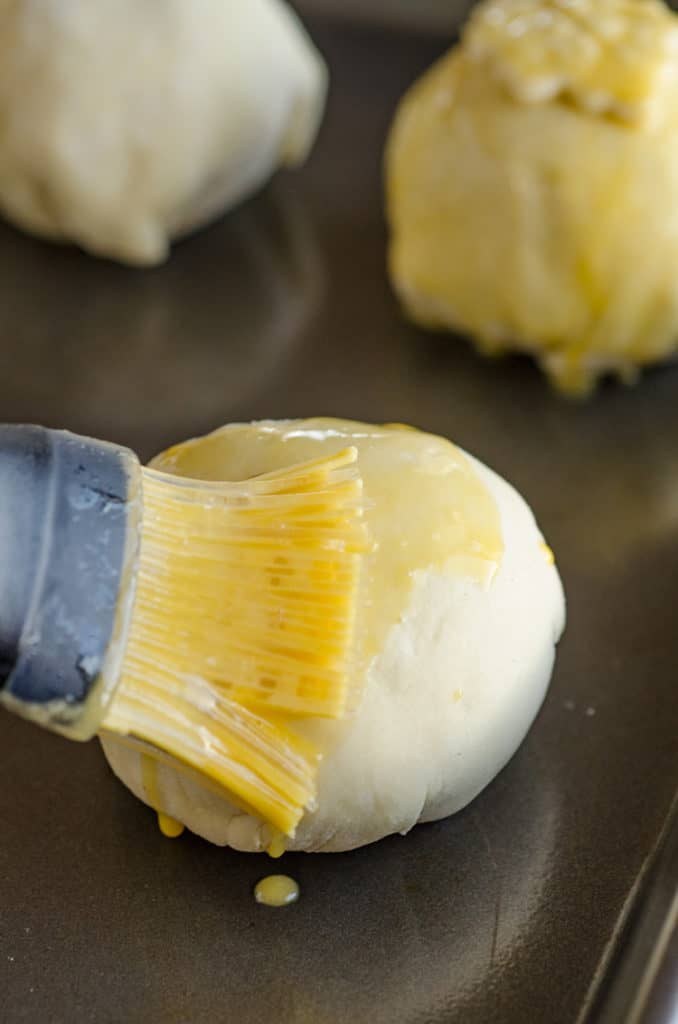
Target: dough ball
x,y
461,610
533,186
125,123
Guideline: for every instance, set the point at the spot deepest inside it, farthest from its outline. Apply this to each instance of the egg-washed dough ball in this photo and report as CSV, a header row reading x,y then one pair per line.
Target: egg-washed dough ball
x,y
533,186
461,610
125,123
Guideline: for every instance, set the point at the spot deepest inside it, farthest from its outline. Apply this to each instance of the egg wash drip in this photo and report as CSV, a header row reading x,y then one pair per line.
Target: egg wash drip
x,y
276,891
272,891
410,480
169,827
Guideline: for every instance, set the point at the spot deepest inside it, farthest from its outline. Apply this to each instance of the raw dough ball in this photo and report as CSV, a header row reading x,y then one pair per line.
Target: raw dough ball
x,y
124,123
533,186
456,668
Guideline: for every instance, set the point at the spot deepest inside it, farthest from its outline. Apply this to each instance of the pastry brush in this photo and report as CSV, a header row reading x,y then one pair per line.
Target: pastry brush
x,y
198,617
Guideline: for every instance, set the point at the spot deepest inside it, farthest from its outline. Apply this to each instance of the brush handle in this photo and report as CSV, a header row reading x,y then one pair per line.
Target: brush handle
x,y
68,524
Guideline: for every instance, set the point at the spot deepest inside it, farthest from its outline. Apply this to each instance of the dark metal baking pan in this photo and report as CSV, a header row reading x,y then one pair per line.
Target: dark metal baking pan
x,y
547,898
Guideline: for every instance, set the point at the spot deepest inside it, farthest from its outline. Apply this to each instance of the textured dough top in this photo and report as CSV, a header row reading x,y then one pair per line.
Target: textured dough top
x,y
613,57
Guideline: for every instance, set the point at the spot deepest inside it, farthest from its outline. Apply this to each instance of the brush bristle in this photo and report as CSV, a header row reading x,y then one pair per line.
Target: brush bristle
x,y
263,766
245,614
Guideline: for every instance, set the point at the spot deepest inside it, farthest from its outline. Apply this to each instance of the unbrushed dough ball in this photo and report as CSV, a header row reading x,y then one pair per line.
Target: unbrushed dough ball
x,y
125,123
461,610
533,186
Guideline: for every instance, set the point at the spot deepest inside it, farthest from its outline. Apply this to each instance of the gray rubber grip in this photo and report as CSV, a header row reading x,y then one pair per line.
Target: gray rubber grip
x,y
63,533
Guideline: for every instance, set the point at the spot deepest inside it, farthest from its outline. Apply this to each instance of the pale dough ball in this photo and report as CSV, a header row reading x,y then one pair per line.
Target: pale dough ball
x,y
533,186
124,123
460,668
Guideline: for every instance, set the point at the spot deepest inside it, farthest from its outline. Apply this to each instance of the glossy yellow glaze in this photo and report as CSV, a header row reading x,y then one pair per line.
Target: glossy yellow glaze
x,y
276,846
547,552
149,778
169,827
276,891
544,143
425,505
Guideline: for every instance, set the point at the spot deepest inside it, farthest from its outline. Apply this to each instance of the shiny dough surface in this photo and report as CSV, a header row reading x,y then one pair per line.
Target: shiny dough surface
x,y
527,169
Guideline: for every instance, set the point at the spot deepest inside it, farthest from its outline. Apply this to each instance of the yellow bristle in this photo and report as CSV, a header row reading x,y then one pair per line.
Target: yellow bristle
x,y
265,768
245,613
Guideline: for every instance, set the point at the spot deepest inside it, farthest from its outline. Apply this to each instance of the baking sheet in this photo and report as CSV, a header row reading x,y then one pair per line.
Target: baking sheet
x,y
423,15
520,907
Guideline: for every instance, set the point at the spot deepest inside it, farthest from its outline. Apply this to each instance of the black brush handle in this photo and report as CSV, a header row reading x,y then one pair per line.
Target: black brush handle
x,y
65,526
